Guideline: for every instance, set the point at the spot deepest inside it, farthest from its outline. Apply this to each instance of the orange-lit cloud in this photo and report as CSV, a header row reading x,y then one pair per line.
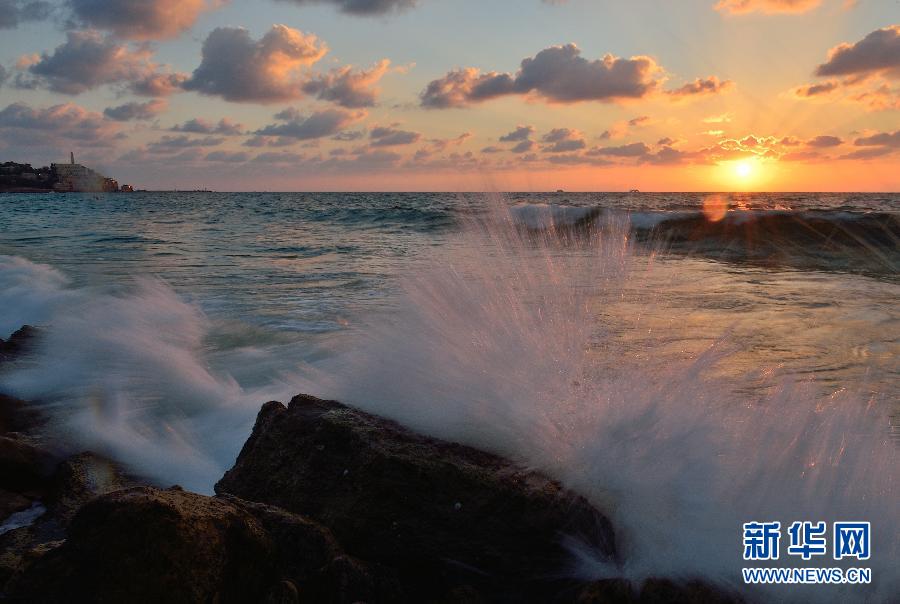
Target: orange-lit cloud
x,y
239,68
557,74
140,19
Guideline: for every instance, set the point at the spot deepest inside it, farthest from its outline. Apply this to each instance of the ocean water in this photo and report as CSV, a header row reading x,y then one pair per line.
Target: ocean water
x,y
689,362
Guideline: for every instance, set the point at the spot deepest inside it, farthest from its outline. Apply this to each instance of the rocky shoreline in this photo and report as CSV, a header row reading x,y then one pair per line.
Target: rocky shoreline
x,y
325,503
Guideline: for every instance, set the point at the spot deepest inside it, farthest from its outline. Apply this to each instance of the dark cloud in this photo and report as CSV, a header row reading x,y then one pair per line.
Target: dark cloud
x,y
227,156
492,149
558,74
563,140
766,6
665,141
363,7
824,141
201,126
14,12
879,51
87,60
524,147
239,68
3,75
317,125
631,150
871,153
136,111
886,139
389,137
54,126
158,84
347,87
140,19
811,90
521,133
168,144
639,121
701,87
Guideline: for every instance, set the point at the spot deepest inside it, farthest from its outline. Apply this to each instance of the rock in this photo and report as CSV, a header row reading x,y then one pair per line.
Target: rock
x,y
17,415
144,544
150,545
24,465
654,591
10,503
18,343
80,478
397,505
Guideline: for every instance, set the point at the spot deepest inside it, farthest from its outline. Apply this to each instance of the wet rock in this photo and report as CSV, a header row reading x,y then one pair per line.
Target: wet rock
x,y
19,343
24,464
17,415
654,591
10,503
390,497
80,478
150,545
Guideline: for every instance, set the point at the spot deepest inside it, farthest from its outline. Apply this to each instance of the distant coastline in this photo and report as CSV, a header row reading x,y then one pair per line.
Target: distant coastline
x,y
56,178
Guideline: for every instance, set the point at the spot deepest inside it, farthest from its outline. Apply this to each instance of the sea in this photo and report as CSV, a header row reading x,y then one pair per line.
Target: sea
x,y
687,361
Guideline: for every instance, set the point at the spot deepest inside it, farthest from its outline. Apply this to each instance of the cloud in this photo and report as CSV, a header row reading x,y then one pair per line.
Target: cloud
x,y
241,69
563,140
869,68
521,133
363,7
136,111
870,153
54,126
158,84
87,60
492,149
317,125
701,87
346,87
3,75
140,19
557,74
812,90
279,157
524,147
878,52
886,139
168,144
201,126
631,150
740,7
14,12
389,137
824,141
227,156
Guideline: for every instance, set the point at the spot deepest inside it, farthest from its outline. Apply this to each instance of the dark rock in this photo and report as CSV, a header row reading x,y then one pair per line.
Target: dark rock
x,y
24,465
17,415
441,514
19,343
654,591
10,503
149,545
80,478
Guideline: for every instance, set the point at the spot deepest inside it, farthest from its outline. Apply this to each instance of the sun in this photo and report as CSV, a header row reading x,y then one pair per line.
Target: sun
x,y
743,169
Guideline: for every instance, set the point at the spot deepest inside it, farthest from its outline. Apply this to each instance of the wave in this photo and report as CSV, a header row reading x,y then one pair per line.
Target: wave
x,y
840,240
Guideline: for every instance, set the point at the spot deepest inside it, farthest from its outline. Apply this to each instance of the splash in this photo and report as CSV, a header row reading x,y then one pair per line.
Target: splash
x,y
126,373
513,340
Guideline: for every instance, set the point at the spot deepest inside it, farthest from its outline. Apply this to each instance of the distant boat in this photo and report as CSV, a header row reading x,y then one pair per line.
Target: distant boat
x,y
633,191
560,191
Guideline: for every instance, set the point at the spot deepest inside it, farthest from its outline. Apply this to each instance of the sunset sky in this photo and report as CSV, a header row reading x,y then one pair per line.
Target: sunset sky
x,y
686,95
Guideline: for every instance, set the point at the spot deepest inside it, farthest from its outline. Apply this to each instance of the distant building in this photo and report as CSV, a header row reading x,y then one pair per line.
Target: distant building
x,y
75,177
